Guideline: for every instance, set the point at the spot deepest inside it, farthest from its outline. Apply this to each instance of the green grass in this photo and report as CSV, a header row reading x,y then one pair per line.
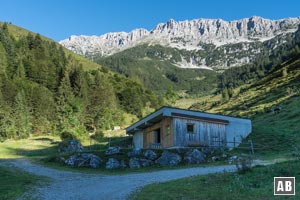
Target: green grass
x,y
256,184
14,183
41,150
32,148
273,134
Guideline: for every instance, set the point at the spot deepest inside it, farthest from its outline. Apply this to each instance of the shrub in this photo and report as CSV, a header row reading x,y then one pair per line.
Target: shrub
x,y
67,135
243,164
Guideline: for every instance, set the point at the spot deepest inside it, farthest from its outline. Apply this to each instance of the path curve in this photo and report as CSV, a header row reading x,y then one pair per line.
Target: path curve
x,y
68,185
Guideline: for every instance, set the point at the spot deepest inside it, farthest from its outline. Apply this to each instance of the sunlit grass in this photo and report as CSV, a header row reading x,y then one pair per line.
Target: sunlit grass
x,y
14,183
256,184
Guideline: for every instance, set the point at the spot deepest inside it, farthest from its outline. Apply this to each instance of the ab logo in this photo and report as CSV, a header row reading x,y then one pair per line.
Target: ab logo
x,y
284,185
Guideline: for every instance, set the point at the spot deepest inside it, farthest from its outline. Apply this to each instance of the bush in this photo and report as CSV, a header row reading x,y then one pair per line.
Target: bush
x,y
67,135
243,164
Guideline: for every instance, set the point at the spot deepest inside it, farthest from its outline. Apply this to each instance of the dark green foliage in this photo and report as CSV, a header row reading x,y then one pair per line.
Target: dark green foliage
x,y
44,91
153,66
264,64
66,135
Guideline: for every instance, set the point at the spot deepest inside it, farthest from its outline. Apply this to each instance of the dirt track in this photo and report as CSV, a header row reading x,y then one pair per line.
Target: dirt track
x,y
71,185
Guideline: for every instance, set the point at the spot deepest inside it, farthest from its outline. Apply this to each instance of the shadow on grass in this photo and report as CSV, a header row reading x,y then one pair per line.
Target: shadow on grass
x,y
14,183
44,139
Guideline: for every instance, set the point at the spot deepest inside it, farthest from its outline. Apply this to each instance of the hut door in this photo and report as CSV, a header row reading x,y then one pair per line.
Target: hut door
x,y
157,136
217,136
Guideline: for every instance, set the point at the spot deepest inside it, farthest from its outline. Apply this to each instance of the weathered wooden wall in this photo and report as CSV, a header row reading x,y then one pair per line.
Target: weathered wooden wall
x,y
166,135
205,133
138,140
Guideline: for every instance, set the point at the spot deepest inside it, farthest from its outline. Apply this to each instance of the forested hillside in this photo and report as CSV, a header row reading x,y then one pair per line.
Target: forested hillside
x,y
155,67
45,89
270,97
265,64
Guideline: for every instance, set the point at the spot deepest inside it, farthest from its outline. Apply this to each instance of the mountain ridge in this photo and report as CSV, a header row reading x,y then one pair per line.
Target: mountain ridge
x,y
191,35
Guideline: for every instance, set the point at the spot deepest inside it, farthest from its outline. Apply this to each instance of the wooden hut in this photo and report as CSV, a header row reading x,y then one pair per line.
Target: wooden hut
x,y
173,127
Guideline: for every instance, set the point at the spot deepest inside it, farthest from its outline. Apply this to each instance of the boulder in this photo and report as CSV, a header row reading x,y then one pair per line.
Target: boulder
x,y
122,164
136,163
85,159
145,162
112,163
232,159
180,150
224,155
215,158
134,153
168,159
95,161
70,146
194,156
206,150
71,160
112,151
149,154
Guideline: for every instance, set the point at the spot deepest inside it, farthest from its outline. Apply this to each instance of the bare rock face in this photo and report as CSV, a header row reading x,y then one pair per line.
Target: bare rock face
x,y
188,34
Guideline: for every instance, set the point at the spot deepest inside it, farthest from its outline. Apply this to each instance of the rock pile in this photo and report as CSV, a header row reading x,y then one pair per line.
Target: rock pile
x,y
113,163
137,158
134,152
84,159
136,163
113,151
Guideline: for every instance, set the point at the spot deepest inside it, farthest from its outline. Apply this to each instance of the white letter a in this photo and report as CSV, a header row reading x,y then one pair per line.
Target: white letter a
x,y
280,186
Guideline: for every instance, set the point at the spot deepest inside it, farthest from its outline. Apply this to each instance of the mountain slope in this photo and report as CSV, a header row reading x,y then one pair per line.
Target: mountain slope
x,y
46,89
147,65
273,105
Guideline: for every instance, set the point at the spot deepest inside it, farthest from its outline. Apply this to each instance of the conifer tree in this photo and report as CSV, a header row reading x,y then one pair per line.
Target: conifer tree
x,y
21,115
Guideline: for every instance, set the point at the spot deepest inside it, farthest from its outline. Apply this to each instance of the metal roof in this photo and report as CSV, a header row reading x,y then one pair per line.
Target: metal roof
x,y
181,113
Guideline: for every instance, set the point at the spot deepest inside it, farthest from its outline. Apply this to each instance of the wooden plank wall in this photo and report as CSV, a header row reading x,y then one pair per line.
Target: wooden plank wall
x,y
165,133
205,133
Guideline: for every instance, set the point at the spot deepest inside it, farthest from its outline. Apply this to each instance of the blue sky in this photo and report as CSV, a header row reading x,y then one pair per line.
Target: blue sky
x,y
58,19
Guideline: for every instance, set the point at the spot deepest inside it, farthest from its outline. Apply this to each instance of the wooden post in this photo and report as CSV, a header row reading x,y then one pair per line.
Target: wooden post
x,y
251,146
109,140
234,142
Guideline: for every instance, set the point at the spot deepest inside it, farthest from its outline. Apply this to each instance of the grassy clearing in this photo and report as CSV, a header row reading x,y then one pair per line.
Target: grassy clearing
x,y
14,182
256,184
43,150
33,148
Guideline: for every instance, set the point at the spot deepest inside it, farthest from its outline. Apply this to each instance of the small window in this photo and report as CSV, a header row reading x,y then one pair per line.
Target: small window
x,y
190,128
168,129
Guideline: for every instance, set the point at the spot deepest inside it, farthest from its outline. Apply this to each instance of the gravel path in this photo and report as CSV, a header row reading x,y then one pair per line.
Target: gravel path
x,y
76,186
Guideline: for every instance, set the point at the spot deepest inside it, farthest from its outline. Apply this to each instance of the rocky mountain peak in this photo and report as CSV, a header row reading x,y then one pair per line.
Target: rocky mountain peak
x,y
188,35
